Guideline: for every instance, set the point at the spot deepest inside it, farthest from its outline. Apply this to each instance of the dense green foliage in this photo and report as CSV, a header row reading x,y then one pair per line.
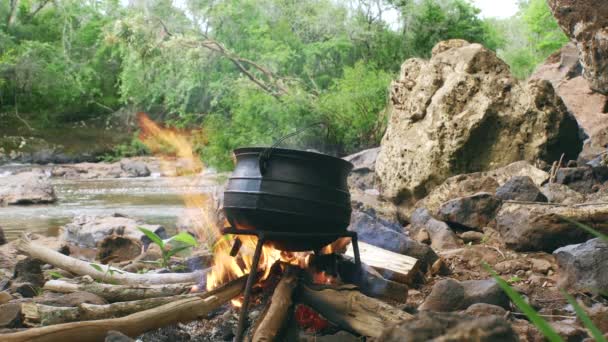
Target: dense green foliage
x,y
246,71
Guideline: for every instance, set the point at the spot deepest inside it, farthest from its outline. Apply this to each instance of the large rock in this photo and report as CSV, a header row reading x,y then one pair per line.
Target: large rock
x,y
586,23
26,188
440,234
363,175
452,295
134,168
462,111
470,212
89,231
584,267
435,326
541,227
520,188
472,183
560,193
389,235
582,179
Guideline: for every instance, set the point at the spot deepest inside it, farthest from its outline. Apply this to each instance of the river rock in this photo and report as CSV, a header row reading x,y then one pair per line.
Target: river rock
x,y
462,111
472,183
89,231
443,326
440,234
584,266
26,188
471,212
586,23
10,315
520,188
582,179
472,236
452,295
363,175
539,227
561,194
484,309
134,168
390,236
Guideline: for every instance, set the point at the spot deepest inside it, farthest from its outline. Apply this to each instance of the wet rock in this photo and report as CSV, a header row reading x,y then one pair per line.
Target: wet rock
x,y
586,23
73,299
582,179
10,315
427,326
117,336
472,236
441,236
540,227
583,267
89,231
452,295
363,175
484,309
134,168
561,194
26,188
2,237
471,212
462,111
520,188
387,235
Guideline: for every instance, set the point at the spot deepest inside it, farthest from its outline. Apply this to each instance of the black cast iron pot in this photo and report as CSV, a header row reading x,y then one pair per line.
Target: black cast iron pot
x,y
293,191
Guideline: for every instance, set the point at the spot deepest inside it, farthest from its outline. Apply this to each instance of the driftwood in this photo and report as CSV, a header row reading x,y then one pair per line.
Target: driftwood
x,y
351,310
183,310
107,273
277,311
118,293
391,265
40,314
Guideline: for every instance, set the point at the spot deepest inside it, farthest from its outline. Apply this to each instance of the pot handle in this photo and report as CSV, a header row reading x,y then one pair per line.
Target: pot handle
x,y
264,157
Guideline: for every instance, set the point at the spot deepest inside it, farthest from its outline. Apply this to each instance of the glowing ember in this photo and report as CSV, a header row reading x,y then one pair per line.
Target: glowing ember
x,y
309,319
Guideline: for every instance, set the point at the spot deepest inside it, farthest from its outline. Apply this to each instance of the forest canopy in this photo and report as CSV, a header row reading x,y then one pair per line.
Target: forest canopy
x,y
241,71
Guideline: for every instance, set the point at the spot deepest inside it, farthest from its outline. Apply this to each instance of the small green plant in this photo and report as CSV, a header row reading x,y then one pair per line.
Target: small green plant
x,y
108,271
167,248
55,275
485,239
514,280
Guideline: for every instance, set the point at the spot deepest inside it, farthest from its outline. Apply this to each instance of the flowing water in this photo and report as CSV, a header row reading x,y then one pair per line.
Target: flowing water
x,y
154,200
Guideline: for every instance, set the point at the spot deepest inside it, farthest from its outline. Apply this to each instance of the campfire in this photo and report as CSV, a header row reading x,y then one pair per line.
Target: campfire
x,y
285,233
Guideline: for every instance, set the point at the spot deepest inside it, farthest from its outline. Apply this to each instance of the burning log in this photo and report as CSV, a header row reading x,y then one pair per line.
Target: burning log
x,y
107,273
119,293
35,313
183,310
391,265
351,310
277,311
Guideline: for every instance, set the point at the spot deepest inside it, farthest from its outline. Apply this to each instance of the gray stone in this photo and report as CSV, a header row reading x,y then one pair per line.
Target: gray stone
x,y
541,227
388,235
10,315
462,111
441,236
26,188
471,212
582,179
452,295
29,270
562,194
363,175
134,168
484,309
520,188
584,267
472,236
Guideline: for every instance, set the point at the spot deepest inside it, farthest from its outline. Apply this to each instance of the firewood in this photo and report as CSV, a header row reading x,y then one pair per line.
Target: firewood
x,y
118,293
351,310
115,276
183,310
391,265
277,312
40,314
374,285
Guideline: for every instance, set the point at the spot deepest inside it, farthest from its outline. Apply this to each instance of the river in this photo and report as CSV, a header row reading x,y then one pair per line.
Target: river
x,y
154,199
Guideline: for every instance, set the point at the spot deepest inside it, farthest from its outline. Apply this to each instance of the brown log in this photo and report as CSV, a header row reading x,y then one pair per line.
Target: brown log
x,y
183,310
114,275
118,293
351,310
393,266
40,314
277,311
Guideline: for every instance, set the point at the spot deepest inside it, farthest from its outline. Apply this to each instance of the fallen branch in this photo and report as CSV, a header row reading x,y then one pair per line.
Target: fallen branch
x,y
183,310
119,293
35,313
351,310
107,273
278,311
